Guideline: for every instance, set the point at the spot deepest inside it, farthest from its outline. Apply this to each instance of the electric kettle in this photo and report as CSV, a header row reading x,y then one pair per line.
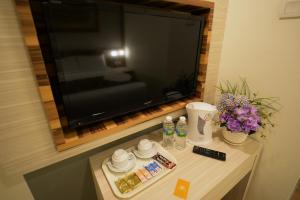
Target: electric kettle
x,y
200,117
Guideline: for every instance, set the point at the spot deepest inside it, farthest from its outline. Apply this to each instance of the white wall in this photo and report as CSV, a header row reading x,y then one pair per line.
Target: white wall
x,y
266,50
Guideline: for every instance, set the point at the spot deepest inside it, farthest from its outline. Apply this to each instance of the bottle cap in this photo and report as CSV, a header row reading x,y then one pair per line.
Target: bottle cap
x,y
169,118
182,118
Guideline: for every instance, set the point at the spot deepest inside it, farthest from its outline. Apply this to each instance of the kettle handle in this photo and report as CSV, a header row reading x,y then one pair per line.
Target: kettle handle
x,y
202,121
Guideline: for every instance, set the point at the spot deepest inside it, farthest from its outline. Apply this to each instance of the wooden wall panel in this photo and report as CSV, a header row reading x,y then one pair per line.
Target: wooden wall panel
x,y
32,43
215,48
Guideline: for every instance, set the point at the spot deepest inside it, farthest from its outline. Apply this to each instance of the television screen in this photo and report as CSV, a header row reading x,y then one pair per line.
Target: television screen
x,y
112,59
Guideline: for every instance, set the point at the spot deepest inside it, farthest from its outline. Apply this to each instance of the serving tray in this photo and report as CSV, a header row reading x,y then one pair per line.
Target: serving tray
x,y
140,163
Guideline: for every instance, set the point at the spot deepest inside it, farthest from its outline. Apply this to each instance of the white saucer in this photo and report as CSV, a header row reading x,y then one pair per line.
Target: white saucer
x,y
130,164
148,155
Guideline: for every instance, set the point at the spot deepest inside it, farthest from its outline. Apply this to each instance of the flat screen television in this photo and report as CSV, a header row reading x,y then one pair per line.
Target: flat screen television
x,y
112,59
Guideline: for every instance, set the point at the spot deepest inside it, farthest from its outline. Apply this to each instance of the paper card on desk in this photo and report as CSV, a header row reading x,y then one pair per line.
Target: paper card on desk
x,y
182,188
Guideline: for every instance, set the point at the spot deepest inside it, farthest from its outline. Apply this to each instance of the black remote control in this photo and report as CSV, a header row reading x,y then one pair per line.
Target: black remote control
x,y
210,153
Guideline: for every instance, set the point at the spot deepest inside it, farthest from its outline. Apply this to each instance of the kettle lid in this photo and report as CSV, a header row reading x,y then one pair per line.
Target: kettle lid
x,y
201,106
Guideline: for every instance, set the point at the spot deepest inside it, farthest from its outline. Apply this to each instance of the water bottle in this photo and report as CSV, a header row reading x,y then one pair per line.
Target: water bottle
x,y
181,130
168,132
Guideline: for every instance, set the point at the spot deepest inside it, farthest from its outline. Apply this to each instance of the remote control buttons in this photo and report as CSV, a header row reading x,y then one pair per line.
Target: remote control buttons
x,y
209,153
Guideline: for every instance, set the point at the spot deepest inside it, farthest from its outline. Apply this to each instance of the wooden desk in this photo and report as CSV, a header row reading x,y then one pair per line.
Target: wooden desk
x,y
209,178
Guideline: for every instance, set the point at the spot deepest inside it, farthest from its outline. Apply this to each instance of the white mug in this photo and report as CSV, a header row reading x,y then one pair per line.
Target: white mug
x,y
145,146
120,158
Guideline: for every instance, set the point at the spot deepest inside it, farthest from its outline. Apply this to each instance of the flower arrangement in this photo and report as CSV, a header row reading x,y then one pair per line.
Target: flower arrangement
x,y
242,111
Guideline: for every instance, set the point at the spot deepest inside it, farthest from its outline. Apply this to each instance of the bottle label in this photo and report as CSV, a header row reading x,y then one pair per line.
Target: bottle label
x,y
180,132
168,131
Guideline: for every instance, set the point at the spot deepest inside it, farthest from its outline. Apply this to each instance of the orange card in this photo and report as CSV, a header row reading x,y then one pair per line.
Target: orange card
x,y
182,188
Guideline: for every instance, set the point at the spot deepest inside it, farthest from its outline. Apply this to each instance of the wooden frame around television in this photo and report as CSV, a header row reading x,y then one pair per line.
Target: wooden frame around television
x,y
67,138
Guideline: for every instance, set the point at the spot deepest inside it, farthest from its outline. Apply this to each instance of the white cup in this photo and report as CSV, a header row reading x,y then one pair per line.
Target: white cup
x,y
145,147
120,158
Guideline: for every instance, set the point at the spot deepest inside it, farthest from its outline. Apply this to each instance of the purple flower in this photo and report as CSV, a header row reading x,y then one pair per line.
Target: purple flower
x,y
241,100
224,117
238,117
253,110
234,125
226,102
251,124
241,111
242,118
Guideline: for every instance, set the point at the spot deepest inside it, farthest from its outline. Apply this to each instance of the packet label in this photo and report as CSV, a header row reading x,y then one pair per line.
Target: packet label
x,y
182,188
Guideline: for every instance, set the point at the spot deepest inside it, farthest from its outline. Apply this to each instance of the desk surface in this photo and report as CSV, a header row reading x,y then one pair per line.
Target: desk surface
x,y
209,178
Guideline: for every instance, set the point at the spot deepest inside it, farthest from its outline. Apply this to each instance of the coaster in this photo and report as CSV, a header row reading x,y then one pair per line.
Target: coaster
x,y
182,189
